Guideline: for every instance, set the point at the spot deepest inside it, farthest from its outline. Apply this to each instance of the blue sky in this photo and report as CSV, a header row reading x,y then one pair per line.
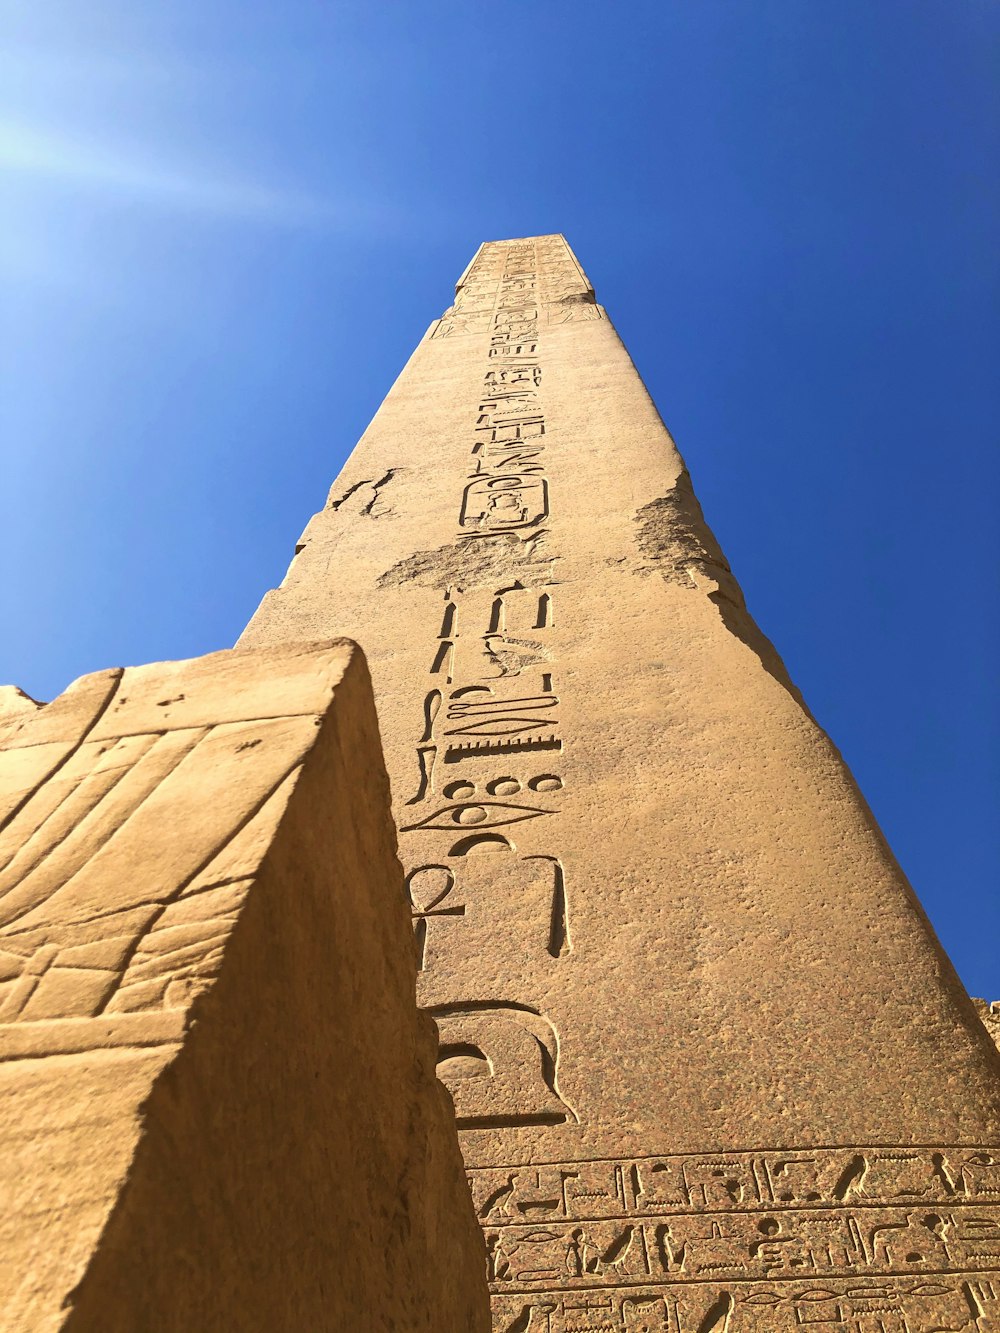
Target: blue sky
x,y
227,222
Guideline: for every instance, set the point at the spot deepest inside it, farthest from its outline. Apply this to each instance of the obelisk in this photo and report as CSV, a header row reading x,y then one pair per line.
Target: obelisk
x,y
712,1069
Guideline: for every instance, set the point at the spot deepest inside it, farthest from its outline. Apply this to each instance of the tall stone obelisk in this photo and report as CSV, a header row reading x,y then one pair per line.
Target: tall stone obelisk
x,y
712,1068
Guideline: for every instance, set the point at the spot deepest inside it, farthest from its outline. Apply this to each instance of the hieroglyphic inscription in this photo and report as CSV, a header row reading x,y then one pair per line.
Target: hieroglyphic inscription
x,y
956,1302
873,1240
487,757
566,293
495,294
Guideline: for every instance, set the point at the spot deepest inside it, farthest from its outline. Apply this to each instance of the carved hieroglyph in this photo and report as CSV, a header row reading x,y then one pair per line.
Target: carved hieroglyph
x,y
711,1067
217,1101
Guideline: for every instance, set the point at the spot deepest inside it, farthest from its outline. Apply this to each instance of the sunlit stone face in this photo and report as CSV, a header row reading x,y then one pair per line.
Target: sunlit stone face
x,y
693,1022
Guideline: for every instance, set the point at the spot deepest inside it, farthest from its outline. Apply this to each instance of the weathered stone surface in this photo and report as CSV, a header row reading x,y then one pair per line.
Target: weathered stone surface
x,y
990,1015
712,1068
217,1101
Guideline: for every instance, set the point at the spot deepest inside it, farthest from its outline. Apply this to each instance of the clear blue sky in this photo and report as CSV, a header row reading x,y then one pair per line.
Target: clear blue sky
x,y
227,222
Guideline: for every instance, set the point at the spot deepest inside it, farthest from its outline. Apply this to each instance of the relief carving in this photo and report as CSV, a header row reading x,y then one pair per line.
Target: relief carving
x,y
759,1241
505,503
81,933
500,1064
956,1304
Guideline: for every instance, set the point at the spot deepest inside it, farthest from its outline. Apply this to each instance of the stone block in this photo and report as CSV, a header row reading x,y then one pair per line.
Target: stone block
x,y
218,1107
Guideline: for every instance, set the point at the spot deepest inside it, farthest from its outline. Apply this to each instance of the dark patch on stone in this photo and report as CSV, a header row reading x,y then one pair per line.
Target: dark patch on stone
x,y
470,562
675,542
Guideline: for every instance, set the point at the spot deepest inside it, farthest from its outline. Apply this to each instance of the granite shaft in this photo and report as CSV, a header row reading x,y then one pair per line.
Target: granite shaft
x,y
711,1067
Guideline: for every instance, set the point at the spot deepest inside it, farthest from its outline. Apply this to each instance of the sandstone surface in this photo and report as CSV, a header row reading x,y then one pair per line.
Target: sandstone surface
x,y
990,1015
711,1066
218,1108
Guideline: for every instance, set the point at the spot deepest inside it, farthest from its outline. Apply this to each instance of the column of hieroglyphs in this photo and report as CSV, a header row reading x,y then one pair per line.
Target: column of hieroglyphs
x,y
711,1067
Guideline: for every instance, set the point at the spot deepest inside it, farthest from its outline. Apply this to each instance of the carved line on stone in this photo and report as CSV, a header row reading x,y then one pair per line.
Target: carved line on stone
x,y
559,943
75,839
679,1284
550,1060
283,716
447,630
799,1210
426,756
729,1155
966,1298
179,890
40,833
473,707
499,726
444,660
156,968
895,1241
29,795
46,845
480,840
118,911
432,703
91,1036
474,749
478,814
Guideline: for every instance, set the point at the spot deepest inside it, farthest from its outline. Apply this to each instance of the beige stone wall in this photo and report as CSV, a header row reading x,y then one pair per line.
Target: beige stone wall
x,y
217,1101
711,1066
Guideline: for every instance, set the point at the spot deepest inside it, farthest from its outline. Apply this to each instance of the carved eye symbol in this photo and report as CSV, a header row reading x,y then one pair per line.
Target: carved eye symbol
x,y
472,814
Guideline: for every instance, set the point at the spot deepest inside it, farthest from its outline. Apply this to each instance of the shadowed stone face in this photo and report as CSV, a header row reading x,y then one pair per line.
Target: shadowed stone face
x,y
710,1065
217,1097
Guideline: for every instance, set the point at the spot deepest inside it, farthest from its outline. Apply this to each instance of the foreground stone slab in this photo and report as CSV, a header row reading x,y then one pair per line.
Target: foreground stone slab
x,y
218,1107
712,1069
